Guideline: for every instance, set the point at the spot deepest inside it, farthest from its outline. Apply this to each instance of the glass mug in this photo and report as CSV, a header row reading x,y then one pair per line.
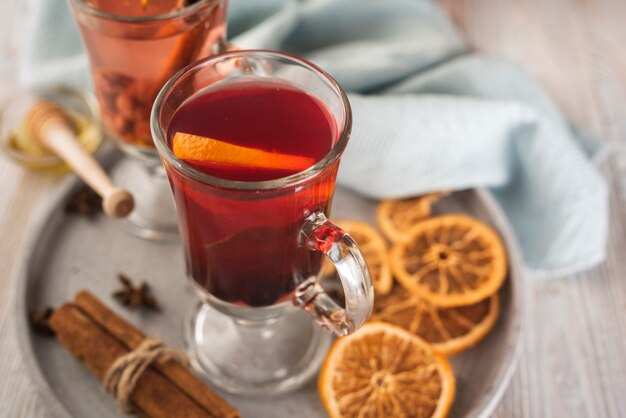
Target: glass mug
x,y
133,50
254,248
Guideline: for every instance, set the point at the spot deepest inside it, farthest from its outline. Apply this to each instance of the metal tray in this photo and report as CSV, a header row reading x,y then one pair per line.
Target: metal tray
x,y
65,254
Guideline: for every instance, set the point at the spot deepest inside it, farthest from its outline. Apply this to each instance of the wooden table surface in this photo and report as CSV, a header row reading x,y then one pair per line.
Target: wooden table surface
x,y
574,359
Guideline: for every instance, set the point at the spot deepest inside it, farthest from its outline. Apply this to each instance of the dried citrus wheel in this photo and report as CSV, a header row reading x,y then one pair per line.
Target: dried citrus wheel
x,y
448,330
384,371
397,217
374,248
450,260
200,148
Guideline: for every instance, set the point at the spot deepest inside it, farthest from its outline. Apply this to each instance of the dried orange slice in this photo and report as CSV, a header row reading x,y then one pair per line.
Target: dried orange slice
x,y
200,148
384,371
374,248
450,260
448,330
397,217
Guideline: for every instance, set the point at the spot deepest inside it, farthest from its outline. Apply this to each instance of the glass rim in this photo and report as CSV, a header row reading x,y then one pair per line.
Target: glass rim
x,y
168,155
164,16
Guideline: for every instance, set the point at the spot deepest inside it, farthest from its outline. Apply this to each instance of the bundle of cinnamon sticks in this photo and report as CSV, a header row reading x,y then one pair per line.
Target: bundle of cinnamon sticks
x,y
98,337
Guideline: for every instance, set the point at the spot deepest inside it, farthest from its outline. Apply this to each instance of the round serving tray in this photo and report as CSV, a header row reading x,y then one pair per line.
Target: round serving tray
x,y
65,254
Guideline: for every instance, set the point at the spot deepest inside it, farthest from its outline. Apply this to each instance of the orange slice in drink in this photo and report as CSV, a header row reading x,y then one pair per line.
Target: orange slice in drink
x,y
397,217
450,260
448,330
199,148
384,371
374,248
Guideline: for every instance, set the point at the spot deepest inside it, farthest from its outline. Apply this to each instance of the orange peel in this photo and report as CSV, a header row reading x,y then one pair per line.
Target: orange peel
x,y
385,371
450,260
374,248
449,330
199,148
396,217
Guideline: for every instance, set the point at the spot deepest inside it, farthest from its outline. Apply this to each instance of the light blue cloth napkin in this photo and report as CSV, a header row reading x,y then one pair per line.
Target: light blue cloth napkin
x,y
428,115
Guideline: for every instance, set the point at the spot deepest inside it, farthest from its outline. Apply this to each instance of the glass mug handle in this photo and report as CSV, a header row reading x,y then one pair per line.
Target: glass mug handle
x,y
319,234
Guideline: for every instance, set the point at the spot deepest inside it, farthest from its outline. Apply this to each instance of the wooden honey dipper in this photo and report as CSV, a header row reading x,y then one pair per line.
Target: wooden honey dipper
x,y
49,125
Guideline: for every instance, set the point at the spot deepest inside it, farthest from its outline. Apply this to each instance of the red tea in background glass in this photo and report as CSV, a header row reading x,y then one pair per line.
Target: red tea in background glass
x,y
132,8
134,48
242,250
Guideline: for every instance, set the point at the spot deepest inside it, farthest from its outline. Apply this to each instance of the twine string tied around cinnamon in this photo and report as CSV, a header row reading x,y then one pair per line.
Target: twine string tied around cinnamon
x,y
123,375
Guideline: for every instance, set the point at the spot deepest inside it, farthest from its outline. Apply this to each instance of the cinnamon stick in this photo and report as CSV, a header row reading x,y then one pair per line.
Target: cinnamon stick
x,y
155,395
131,337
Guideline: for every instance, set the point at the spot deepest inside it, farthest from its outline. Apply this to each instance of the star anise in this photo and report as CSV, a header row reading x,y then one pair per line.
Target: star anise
x,y
84,202
39,321
135,296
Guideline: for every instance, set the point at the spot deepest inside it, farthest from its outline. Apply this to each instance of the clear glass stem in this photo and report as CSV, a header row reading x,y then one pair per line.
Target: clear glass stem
x,y
255,356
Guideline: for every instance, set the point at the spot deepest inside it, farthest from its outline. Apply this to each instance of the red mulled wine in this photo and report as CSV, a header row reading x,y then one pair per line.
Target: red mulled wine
x,y
244,245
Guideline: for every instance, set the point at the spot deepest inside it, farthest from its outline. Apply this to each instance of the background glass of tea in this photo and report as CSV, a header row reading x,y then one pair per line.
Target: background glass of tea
x,y
254,239
133,49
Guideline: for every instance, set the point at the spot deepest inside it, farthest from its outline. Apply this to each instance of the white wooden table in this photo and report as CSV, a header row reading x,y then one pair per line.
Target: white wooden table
x,y
574,360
